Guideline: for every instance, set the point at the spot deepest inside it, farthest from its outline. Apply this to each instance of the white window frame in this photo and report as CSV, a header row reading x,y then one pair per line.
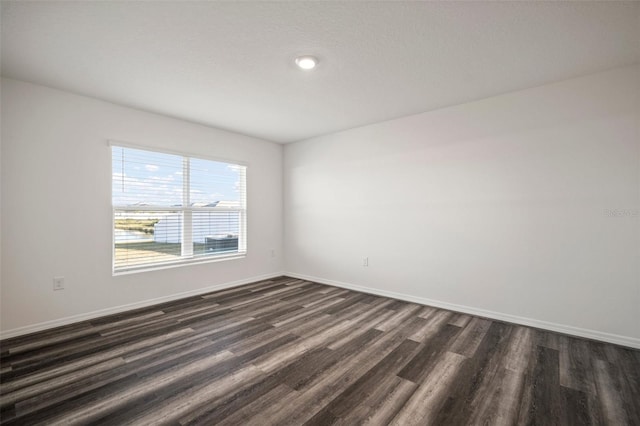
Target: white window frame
x,y
187,255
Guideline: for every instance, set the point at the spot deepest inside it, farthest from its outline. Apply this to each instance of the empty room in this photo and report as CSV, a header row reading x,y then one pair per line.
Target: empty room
x,y
320,213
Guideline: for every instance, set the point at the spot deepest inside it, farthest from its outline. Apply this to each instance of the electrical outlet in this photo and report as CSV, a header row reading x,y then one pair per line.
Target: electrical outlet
x,y
58,283
273,252
365,261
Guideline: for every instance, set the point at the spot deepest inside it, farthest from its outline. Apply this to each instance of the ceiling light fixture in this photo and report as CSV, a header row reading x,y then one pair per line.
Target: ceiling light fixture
x,y
306,62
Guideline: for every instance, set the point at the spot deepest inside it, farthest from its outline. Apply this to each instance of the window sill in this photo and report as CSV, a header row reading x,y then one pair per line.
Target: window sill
x,y
177,264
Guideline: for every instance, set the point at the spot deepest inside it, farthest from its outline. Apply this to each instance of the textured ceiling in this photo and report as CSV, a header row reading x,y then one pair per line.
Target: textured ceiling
x,y
230,64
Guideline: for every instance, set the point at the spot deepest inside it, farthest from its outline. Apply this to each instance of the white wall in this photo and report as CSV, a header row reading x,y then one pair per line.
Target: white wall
x,y
56,205
497,206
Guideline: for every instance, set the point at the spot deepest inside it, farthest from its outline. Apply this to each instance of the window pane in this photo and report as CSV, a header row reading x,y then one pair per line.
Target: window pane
x,y
214,182
146,237
146,178
216,231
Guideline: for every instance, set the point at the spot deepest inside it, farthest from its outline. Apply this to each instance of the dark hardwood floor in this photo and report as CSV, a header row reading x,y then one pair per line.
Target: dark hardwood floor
x,y
292,352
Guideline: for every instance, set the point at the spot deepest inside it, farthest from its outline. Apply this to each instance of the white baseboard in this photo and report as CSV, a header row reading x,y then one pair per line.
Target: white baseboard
x,y
545,325
560,328
117,309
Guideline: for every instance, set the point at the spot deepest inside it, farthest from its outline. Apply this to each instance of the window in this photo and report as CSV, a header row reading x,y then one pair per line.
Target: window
x,y
172,209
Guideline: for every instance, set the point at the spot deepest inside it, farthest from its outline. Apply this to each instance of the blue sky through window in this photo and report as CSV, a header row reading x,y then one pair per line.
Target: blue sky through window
x,y
156,179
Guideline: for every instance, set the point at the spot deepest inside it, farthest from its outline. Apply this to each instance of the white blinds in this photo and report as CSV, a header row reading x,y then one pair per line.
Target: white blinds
x,y
170,208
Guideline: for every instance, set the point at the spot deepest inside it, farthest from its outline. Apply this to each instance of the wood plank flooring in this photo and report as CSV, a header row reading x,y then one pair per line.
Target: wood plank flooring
x,y
292,352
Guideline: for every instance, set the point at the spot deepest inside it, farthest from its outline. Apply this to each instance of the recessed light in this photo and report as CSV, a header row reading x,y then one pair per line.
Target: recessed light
x,y
306,62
